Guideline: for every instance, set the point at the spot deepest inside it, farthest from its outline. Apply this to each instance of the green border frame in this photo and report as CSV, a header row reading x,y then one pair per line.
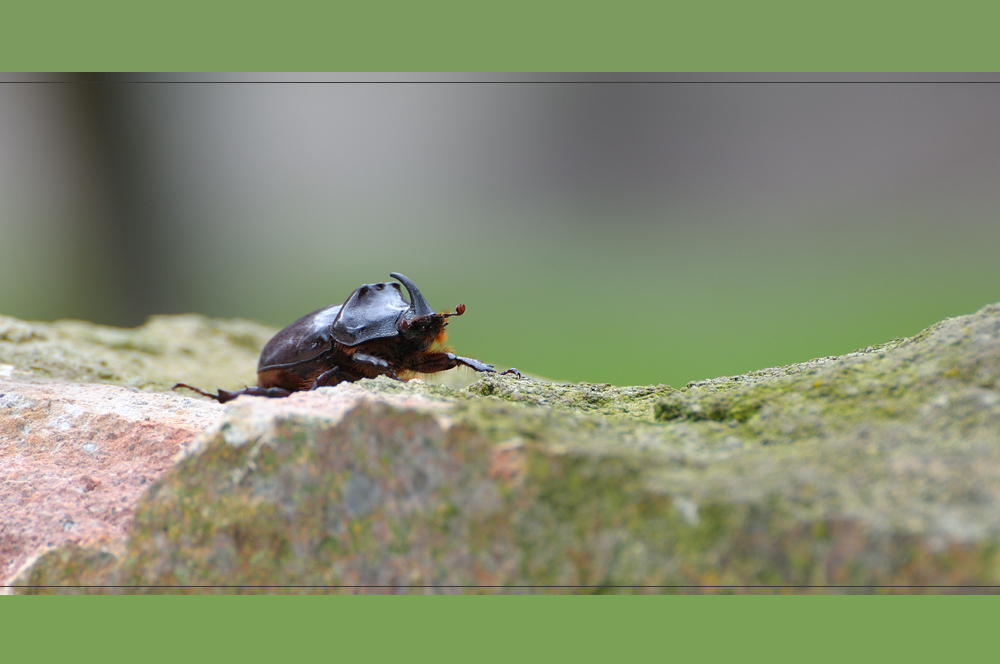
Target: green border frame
x,y
607,629
516,35
118,35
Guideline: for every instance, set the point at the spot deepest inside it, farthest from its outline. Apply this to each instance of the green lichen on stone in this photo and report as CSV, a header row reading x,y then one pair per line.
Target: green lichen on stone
x,y
634,402
880,468
947,376
163,351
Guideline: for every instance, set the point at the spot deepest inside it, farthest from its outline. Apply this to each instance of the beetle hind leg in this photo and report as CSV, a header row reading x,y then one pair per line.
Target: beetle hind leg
x,y
225,395
195,389
269,392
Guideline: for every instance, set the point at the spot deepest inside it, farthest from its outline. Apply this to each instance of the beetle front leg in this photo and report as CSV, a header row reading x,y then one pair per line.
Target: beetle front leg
x,y
434,362
474,364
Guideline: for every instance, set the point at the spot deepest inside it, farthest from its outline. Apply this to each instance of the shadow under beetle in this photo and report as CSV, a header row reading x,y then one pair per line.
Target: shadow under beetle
x,y
375,332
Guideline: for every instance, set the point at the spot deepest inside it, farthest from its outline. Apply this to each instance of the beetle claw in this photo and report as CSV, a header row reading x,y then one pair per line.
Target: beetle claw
x,y
512,370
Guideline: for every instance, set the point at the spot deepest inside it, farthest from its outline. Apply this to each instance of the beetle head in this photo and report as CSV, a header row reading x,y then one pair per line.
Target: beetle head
x,y
376,311
420,324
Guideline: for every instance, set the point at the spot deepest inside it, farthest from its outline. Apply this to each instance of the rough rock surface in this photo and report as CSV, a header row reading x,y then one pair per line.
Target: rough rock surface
x,y
878,468
74,459
74,453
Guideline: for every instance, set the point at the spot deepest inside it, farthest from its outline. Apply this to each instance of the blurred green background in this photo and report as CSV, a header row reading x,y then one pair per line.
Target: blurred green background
x,y
624,229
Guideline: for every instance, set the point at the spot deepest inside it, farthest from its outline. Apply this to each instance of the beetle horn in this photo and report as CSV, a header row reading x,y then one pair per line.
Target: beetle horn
x,y
417,302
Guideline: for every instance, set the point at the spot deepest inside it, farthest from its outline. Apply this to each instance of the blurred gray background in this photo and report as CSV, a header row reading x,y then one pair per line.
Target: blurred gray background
x,y
624,229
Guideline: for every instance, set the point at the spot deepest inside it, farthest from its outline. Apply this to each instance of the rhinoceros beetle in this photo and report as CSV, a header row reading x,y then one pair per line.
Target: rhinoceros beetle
x,y
375,332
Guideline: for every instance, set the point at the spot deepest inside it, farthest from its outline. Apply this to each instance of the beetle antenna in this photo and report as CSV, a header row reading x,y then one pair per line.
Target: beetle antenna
x,y
459,310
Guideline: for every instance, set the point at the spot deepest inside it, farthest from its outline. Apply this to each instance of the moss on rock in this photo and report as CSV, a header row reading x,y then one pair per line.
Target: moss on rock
x,y
163,351
632,402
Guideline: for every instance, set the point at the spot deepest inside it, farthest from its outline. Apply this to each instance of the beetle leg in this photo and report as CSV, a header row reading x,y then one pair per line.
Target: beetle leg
x,y
195,389
225,395
270,392
512,370
474,364
434,362
327,378
377,362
